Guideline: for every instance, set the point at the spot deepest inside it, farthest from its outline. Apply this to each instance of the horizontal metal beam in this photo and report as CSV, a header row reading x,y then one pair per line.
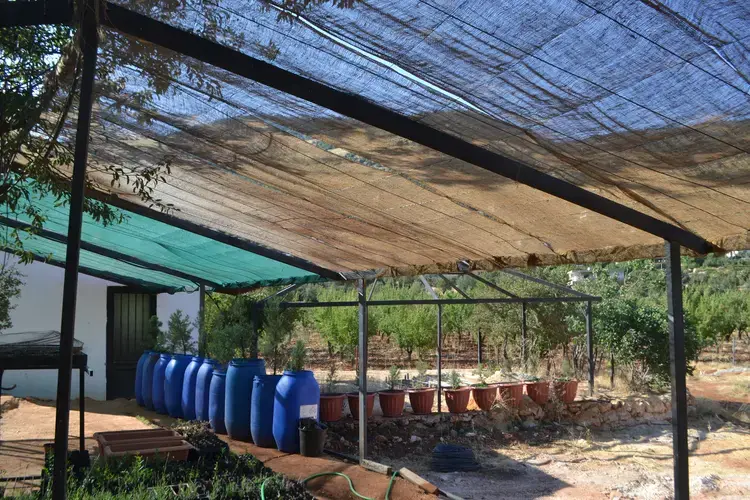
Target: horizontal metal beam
x,y
546,283
97,273
427,302
107,252
361,109
35,13
215,235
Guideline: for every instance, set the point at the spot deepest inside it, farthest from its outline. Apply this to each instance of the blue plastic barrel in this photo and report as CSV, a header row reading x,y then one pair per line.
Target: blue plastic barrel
x,y
188,388
173,378
216,401
157,386
147,379
203,387
261,410
139,377
297,396
239,395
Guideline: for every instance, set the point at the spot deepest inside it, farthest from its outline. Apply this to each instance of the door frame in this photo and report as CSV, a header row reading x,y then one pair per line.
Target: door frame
x,y
111,291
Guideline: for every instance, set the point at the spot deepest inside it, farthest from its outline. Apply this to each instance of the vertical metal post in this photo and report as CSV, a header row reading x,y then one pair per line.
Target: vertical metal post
x,y
362,299
81,408
479,347
523,335
255,325
590,346
201,320
677,369
89,16
440,357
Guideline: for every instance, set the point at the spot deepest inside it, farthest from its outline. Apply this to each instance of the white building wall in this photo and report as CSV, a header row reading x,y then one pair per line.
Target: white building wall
x,y
40,308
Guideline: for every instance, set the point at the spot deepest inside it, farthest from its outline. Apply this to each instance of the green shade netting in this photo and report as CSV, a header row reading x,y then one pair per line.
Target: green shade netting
x,y
103,267
158,243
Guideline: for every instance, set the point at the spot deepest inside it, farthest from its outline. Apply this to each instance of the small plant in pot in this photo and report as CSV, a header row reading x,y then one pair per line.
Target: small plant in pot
x,y
331,403
421,397
484,394
565,389
353,401
511,393
457,396
392,400
537,390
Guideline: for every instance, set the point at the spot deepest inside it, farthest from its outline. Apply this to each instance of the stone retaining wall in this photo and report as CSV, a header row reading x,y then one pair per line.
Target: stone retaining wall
x,y
602,414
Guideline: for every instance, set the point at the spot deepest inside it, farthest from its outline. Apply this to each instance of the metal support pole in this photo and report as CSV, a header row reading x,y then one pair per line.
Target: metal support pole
x,y
677,369
254,324
201,320
362,299
590,347
479,347
89,15
523,336
440,357
81,409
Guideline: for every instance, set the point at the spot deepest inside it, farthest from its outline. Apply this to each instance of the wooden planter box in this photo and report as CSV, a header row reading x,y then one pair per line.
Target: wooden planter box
x,y
166,448
108,438
166,443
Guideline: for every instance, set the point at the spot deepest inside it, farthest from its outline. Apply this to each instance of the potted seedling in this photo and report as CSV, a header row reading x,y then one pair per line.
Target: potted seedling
x,y
565,388
536,389
511,393
421,397
484,394
457,396
331,403
392,400
353,400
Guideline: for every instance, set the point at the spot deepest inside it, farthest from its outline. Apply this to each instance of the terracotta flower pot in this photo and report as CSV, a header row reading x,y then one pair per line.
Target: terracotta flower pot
x,y
511,393
331,407
421,400
392,402
484,396
566,391
354,404
457,399
538,391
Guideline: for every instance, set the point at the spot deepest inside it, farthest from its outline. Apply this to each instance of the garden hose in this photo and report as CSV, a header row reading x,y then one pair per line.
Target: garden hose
x,y
351,485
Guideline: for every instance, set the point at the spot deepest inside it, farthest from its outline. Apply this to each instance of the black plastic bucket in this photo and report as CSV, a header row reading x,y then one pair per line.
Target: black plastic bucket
x,y
312,437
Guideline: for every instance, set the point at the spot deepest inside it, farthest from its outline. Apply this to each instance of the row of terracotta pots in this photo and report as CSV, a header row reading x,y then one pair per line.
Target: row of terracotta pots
x,y
422,400
391,402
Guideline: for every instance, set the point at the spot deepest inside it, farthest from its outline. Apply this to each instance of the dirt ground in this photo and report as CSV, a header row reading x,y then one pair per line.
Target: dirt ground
x,y
552,461
26,425
557,461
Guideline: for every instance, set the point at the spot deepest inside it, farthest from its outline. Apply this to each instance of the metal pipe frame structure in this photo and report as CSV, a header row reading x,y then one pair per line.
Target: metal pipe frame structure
x,y
363,302
353,106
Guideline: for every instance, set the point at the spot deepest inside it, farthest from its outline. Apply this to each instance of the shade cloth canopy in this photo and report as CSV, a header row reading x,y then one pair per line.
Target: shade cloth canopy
x,y
643,103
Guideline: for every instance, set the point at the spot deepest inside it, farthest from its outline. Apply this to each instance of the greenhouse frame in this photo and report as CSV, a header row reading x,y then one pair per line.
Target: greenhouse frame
x,y
356,144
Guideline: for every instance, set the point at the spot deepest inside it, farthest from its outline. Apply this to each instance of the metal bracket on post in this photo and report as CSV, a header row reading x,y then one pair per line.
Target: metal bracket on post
x,y
362,299
89,18
677,370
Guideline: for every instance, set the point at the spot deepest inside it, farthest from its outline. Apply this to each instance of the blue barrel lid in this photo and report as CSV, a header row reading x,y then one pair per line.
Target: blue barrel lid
x,y
209,361
197,358
301,373
182,356
220,372
247,362
165,355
